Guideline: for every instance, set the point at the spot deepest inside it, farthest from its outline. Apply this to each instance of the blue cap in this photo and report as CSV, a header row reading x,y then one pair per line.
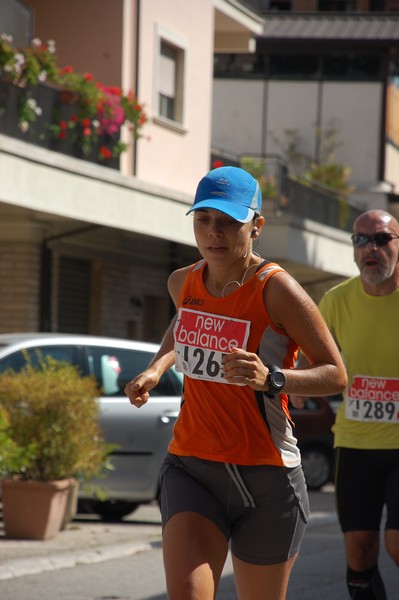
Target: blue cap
x,y
232,191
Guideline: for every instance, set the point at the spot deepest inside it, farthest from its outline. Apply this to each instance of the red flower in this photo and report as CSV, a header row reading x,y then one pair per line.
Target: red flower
x,y
217,163
73,118
85,122
63,124
114,90
62,135
105,152
88,76
66,70
87,131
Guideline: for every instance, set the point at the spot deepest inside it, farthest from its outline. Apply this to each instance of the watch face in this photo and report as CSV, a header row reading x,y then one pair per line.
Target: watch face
x,y
278,379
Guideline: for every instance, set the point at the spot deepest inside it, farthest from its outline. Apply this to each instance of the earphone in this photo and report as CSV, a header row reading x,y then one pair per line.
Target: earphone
x,y
254,232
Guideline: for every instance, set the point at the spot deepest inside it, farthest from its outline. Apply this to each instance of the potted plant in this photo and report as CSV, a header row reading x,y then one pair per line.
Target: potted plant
x,y
90,116
50,417
76,114
28,96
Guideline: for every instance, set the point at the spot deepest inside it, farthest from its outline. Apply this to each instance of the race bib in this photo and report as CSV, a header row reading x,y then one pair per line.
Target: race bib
x,y
373,400
202,339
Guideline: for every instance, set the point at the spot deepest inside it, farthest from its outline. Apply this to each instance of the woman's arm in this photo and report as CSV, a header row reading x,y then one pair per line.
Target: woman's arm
x,y
138,389
293,311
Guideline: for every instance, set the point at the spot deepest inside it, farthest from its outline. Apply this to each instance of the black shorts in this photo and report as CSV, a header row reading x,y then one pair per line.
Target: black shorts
x,y
365,481
262,510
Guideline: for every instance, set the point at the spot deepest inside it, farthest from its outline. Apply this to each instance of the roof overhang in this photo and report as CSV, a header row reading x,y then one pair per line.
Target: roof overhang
x,y
235,27
332,29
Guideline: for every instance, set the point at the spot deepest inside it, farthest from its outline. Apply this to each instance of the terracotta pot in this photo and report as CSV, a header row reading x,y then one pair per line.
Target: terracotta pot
x,y
34,510
72,503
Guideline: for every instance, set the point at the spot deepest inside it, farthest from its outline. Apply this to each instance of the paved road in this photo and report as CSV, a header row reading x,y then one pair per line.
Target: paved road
x,y
124,562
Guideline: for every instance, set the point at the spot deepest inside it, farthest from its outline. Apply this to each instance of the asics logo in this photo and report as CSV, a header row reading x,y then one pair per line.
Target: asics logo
x,y
193,301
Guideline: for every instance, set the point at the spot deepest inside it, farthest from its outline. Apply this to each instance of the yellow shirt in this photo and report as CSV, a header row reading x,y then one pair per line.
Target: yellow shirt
x,y
367,331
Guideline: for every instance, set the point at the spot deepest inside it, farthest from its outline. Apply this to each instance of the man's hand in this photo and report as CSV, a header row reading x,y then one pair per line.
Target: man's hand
x,y
297,401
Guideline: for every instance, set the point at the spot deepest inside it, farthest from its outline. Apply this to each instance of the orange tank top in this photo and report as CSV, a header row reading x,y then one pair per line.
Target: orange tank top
x,y
220,421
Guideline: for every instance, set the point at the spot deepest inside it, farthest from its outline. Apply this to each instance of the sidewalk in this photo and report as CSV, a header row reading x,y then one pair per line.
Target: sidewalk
x,y
88,540
85,540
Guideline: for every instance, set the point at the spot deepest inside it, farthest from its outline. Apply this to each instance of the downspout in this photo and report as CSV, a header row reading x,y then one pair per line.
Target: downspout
x,y
136,83
383,123
129,75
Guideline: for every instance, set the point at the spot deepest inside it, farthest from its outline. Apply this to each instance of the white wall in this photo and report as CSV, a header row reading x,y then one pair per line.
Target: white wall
x,y
357,108
392,166
237,115
182,156
239,119
291,105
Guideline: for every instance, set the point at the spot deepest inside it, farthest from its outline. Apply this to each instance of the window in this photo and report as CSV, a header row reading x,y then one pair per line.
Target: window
x,y
337,5
115,367
337,66
248,66
171,82
294,66
280,5
18,360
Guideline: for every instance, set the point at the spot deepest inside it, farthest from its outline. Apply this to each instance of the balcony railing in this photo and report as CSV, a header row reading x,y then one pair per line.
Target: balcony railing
x,y
283,193
50,100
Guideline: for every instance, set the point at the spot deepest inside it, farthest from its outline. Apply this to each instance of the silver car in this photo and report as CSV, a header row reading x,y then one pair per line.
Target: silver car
x,y
142,435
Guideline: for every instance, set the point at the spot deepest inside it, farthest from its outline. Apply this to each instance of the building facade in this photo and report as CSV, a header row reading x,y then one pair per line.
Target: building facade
x,y
87,248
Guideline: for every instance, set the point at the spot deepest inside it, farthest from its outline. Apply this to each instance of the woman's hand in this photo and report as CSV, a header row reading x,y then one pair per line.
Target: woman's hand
x,y
138,389
245,368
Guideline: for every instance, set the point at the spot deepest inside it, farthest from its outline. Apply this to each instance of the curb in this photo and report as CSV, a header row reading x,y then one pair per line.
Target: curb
x,y
61,560
40,564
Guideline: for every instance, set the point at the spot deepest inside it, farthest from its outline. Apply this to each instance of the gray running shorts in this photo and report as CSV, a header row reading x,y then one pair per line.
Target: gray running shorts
x,y
262,510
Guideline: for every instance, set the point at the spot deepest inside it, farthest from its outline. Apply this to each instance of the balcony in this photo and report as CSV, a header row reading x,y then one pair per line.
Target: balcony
x,y
53,126
285,194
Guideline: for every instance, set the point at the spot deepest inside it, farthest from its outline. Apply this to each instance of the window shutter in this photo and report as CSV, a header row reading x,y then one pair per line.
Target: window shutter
x,y
167,75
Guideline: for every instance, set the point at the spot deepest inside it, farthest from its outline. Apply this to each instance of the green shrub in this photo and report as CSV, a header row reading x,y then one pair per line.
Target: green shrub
x,y
12,458
53,419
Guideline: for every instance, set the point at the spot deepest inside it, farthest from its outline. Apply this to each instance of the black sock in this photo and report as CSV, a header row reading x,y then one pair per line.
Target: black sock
x,y
365,585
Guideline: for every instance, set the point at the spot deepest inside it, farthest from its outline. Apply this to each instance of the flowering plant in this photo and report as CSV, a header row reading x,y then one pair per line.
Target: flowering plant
x,y
26,68
100,113
40,62
28,112
11,60
95,112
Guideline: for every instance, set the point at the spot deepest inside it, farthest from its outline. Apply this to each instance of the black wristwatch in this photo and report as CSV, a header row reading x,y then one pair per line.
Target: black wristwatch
x,y
275,380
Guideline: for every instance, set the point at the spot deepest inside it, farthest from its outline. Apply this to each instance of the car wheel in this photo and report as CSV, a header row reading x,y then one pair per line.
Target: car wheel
x,y
109,510
317,466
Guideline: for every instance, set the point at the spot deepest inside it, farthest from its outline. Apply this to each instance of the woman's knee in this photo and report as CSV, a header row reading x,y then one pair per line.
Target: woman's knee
x,y
362,549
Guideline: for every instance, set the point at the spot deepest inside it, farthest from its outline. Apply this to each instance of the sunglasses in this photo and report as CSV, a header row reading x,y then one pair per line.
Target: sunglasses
x,y
360,240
